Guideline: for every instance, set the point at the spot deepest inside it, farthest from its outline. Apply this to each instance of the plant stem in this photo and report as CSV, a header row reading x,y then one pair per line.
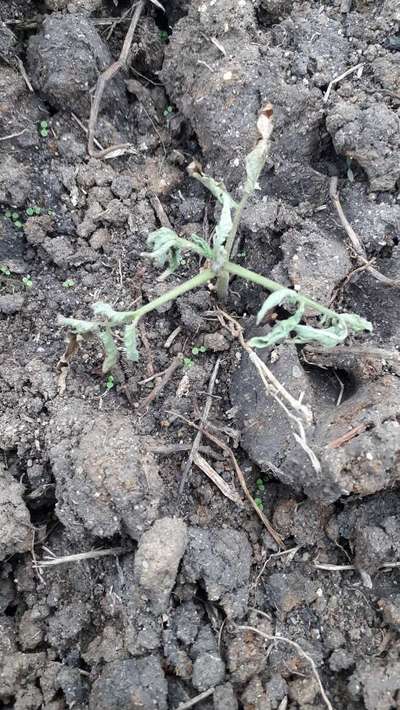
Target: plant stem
x,y
223,277
202,278
270,285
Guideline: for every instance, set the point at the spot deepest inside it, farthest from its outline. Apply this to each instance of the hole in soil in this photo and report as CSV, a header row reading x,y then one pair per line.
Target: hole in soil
x,y
325,160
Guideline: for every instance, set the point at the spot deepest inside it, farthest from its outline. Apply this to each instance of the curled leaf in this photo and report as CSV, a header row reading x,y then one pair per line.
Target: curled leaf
x,y
281,331
327,337
202,244
275,299
110,349
130,342
355,322
224,225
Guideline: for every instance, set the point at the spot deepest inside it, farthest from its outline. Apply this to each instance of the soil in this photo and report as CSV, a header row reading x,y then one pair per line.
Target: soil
x,y
88,464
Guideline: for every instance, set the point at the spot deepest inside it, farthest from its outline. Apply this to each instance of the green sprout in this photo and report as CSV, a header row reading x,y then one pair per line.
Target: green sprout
x,y
110,382
27,281
31,211
163,36
198,350
260,485
259,503
5,270
68,283
328,328
168,111
44,129
187,362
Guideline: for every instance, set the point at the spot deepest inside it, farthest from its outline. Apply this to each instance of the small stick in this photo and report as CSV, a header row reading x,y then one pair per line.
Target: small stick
x,y
197,699
13,135
204,417
169,449
172,337
81,556
225,489
176,362
102,81
339,78
336,443
354,238
159,211
85,130
300,650
24,75
344,568
146,345
239,474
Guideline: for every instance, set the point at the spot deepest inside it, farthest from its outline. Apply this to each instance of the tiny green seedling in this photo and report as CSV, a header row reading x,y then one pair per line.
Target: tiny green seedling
x,y
27,281
259,503
68,283
163,36
44,129
198,350
32,211
5,270
168,111
188,362
166,248
260,485
110,382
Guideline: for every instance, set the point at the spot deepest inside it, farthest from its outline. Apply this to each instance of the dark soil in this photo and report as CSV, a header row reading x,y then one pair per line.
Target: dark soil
x,y
87,465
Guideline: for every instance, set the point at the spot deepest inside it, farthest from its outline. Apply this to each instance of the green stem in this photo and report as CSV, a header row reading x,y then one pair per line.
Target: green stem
x,y
270,285
202,278
223,277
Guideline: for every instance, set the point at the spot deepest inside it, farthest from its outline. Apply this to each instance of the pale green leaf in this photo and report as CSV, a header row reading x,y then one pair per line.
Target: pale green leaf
x,y
130,342
275,299
81,327
160,235
216,188
106,311
110,349
355,322
202,244
224,225
327,337
255,162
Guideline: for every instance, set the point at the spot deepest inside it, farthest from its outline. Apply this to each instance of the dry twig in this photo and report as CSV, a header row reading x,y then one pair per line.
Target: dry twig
x,y
203,420
239,473
357,68
176,362
355,239
93,554
218,481
299,649
102,81
197,699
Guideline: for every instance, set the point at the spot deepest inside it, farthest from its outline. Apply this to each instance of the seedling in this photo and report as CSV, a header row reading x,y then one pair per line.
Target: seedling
x,y
259,503
188,362
5,270
198,350
110,382
68,283
166,248
27,281
168,111
44,129
163,36
31,211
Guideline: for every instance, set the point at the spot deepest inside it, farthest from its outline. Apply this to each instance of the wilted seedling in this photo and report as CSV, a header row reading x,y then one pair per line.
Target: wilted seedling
x,y
166,249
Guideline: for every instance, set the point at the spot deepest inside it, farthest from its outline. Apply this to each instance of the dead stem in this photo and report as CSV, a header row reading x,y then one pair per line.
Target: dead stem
x,y
203,421
102,82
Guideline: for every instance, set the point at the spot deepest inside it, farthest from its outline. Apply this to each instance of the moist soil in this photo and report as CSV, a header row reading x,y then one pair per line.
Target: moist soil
x,y
182,593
